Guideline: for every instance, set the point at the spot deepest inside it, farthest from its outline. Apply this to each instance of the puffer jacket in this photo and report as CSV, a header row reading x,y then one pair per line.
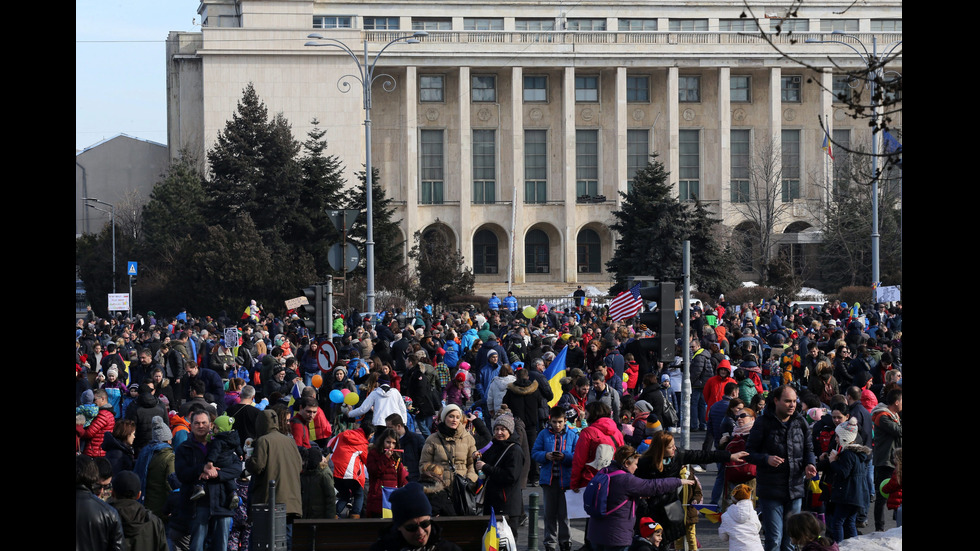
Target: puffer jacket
x,y
550,441
453,453
791,442
104,422
498,387
740,526
349,454
603,431
702,368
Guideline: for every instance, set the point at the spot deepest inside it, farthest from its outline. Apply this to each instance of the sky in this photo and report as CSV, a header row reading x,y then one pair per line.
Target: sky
x,y
120,66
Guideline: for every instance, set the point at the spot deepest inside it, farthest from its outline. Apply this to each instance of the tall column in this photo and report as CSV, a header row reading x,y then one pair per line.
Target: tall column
x,y
827,120
775,106
568,175
410,154
514,158
724,139
465,175
673,129
620,126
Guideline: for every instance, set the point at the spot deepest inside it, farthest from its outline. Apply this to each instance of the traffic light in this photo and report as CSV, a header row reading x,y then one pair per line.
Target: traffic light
x,y
314,314
661,322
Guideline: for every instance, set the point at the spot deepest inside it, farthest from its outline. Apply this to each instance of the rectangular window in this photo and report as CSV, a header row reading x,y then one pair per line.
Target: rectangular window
x,y
689,89
790,153
638,25
687,25
484,87
586,162
432,24
842,89
740,89
585,24
484,166
534,25
331,22
637,154
886,25
638,89
839,25
743,24
381,23
741,159
535,88
431,88
792,87
792,25
842,169
483,23
587,89
535,166
431,167
690,165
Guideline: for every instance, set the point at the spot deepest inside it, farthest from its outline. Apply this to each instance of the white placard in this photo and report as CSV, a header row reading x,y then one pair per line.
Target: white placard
x,y
574,504
890,293
118,302
231,337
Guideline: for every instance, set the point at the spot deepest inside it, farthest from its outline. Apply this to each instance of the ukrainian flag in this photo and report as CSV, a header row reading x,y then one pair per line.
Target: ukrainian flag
x,y
490,540
554,374
386,501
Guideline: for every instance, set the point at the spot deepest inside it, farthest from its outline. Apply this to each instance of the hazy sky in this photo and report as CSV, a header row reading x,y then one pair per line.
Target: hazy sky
x,y
120,66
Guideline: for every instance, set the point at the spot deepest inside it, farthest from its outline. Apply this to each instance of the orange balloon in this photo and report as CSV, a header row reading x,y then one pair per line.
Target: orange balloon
x,y
317,380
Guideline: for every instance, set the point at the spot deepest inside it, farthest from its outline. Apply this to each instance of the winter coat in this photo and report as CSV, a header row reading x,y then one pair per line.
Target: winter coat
x,y
189,464
616,527
391,539
349,454
790,441
740,526
157,486
893,489
887,435
97,524
498,387
142,529
653,395
608,396
104,422
147,407
603,431
385,400
319,495
119,454
851,476
383,471
422,386
702,368
453,453
503,487
549,441
523,401
275,457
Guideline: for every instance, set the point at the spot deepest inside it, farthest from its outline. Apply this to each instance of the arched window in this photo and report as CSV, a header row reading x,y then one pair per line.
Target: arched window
x,y
536,252
485,252
589,252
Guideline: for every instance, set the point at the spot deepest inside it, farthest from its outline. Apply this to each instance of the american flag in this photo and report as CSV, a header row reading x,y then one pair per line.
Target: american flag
x,y
626,304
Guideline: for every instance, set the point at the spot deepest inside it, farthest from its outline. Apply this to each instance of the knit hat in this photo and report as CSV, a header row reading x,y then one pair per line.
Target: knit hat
x,y
648,526
460,376
112,371
644,406
88,397
847,432
160,430
504,418
445,411
126,484
464,366
409,502
741,492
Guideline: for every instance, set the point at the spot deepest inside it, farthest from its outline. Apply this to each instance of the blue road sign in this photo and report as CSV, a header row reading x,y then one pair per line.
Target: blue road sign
x,y
131,268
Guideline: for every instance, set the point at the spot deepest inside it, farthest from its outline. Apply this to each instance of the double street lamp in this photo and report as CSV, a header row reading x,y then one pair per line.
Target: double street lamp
x,y
112,214
875,63
366,76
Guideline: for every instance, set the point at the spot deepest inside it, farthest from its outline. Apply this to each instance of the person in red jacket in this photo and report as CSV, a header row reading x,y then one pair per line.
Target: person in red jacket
x,y
94,433
714,388
596,444
385,469
350,450
309,423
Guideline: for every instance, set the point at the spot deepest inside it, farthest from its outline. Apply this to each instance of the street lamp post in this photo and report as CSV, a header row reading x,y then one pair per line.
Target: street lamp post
x,y
875,63
112,214
365,75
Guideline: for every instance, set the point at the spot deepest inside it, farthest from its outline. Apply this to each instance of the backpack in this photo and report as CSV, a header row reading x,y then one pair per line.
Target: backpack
x,y
737,473
670,418
595,499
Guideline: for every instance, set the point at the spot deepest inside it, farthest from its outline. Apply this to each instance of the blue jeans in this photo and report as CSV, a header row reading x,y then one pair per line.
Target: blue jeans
x,y
203,526
844,522
422,422
352,491
773,514
699,409
719,484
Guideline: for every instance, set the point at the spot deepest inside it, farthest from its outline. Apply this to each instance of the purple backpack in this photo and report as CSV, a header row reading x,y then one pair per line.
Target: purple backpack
x,y
595,499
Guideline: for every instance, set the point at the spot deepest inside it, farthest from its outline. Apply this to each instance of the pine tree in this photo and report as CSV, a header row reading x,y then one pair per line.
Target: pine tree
x,y
388,242
652,227
322,184
176,205
440,272
712,260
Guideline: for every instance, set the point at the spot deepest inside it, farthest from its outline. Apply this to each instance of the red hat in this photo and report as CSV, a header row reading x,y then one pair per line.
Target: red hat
x,y
648,526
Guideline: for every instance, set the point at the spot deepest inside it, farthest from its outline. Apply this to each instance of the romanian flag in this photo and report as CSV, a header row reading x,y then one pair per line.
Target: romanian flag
x,y
386,501
826,145
554,374
586,301
490,540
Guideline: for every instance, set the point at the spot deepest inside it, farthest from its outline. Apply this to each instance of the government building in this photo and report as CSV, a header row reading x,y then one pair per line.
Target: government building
x,y
512,127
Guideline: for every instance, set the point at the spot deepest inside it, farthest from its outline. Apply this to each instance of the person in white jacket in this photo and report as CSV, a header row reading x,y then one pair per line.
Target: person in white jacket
x,y
385,400
740,524
498,387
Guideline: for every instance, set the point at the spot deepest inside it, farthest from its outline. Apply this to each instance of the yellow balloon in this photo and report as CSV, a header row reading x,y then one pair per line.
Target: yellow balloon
x,y
530,312
351,399
317,380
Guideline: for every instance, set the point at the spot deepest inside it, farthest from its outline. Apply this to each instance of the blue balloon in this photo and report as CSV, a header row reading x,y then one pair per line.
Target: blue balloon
x,y
336,396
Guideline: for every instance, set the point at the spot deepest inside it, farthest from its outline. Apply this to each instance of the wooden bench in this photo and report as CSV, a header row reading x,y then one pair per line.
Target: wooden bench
x,y
360,534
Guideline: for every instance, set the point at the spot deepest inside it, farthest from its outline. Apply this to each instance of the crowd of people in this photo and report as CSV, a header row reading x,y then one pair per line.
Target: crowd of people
x,y
182,422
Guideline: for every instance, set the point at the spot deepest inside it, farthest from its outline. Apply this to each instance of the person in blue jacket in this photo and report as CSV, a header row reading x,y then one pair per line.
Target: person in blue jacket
x,y
510,302
553,450
494,302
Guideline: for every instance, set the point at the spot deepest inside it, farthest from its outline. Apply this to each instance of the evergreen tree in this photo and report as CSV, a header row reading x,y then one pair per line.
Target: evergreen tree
x,y
388,242
323,182
175,207
712,263
440,272
652,227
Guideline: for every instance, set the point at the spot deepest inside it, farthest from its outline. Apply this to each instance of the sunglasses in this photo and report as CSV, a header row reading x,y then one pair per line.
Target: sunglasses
x,y
742,415
414,527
